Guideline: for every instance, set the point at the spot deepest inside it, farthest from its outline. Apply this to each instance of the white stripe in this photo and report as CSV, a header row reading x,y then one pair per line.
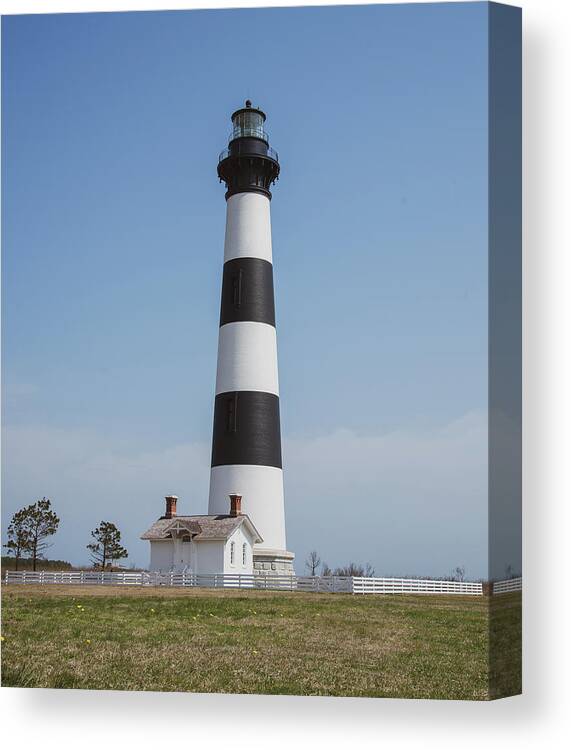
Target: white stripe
x,y
248,229
262,493
247,358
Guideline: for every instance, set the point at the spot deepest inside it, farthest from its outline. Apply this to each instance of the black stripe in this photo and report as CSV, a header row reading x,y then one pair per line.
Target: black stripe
x,y
246,429
247,291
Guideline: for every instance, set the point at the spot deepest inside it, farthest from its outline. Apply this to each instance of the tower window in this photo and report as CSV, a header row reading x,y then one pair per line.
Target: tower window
x,y
231,413
237,288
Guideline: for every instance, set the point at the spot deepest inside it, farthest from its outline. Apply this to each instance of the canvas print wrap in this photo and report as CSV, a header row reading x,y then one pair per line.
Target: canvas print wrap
x,y
261,361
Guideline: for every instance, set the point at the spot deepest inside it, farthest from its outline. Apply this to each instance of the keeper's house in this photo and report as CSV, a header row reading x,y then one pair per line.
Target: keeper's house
x,y
203,544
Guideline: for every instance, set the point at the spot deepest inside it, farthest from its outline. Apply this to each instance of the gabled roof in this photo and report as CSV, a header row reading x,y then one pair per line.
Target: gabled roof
x,y
200,527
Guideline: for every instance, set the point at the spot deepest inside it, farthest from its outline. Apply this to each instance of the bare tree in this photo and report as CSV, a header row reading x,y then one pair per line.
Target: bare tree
x,y
107,546
511,572
326,570
359,571
313,562
369,571
458,573
18,536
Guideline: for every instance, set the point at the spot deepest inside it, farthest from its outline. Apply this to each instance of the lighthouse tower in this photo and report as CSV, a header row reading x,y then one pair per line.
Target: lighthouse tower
x,y
246,442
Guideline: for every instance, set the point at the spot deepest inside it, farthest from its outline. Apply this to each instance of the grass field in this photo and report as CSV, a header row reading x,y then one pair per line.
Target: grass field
x,y
257,642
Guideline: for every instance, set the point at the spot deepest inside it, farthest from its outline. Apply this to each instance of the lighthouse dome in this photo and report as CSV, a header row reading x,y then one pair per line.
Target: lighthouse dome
x,y
248,122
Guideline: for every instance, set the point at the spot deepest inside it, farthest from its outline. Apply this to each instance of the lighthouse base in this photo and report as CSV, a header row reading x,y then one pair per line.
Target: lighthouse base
x,y
273,562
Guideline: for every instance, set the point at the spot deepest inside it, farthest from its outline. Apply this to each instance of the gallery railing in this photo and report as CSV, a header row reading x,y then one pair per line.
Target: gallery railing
x,y
271,152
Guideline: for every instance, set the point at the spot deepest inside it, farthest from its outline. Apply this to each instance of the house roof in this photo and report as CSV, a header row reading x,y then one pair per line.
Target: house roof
x,y
200,527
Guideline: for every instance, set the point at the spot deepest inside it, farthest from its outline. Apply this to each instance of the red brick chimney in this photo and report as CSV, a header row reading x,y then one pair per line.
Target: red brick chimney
x,y
235,505
171,506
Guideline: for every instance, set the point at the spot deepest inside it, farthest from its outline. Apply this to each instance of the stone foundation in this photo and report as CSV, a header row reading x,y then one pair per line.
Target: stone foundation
x,y
273,562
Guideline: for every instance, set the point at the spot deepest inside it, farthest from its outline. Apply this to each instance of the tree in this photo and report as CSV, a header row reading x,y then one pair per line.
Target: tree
x,y
359,571
313,562
18,536
107,546
326,570
510,572
37,522
369,571
458,573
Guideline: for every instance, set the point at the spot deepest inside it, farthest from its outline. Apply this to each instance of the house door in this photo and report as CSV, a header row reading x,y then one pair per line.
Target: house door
x,y
183,562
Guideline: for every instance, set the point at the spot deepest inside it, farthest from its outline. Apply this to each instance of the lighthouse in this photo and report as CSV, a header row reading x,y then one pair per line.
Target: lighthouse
x,y
246,440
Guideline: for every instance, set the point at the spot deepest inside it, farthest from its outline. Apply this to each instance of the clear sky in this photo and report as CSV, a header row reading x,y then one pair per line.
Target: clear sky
x,y
113,226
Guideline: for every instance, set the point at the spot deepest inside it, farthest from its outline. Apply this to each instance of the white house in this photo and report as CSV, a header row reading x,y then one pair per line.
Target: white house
x,y
203,544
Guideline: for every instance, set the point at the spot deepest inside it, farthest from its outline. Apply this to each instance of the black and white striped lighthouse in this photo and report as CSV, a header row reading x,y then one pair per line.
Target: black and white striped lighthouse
x,y
246,441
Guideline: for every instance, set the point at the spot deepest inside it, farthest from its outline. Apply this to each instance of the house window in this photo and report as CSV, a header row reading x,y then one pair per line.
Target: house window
x,y
186,538
244,553
232,553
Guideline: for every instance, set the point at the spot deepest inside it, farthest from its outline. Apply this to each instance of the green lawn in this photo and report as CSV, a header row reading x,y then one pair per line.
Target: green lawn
x,y
255,642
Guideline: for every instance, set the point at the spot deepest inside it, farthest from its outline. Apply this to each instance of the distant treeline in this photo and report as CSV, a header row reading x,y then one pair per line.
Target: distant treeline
x,y
9,563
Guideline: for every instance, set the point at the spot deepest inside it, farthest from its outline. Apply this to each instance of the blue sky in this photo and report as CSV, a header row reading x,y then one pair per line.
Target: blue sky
x,y
113,224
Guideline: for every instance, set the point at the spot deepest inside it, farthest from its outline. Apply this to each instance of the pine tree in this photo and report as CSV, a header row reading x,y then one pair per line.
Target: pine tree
x,y
107,546
32,526
18,536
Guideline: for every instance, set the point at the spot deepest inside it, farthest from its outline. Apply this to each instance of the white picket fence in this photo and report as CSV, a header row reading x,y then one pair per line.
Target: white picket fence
x,y
331,584
503,587
414,586
316,584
